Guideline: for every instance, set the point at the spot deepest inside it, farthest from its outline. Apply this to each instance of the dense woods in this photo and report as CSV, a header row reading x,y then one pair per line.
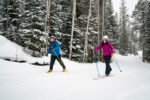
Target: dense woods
x,y
77,25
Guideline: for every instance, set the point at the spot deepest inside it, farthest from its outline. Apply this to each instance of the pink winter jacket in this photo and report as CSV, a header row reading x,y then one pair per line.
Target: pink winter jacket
x,y
107,48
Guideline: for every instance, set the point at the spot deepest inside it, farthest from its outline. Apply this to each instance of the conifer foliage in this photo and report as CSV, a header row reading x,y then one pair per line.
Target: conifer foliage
x,y
23,22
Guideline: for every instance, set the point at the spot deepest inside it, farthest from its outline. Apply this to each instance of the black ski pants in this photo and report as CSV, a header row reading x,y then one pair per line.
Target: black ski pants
x,y
53,58
107,62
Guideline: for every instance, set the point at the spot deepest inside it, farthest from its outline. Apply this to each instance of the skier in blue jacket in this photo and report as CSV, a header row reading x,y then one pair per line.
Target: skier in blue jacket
x,y
54,49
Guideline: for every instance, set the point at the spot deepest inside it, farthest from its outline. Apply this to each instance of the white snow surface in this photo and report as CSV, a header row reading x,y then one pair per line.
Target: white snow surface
x,y
23,81
12,51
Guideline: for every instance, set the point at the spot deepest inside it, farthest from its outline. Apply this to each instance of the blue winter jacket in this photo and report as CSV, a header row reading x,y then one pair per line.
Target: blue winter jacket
x,y
55,46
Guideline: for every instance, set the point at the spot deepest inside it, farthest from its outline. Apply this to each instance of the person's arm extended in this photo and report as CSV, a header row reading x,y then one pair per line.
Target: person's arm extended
x,y
99,47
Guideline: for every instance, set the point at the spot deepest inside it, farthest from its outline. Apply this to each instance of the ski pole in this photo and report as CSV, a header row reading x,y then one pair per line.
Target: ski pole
x,y
117,64
96,64
58,57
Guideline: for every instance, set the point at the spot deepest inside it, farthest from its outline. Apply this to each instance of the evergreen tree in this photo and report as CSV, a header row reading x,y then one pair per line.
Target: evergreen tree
x,y
93,30
123,50
147,32
139,23
4,6
139,20
80,29
1,18
62,10
129,38
60,23
111,24
117,29
12,15
132,43
33,28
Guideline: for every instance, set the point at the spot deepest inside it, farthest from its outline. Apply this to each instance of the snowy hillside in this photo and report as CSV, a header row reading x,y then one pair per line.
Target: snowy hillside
x,y
23,81
14,52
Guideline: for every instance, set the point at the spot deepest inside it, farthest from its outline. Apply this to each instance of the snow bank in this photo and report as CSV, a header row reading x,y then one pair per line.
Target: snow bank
x,y
14,52
9,50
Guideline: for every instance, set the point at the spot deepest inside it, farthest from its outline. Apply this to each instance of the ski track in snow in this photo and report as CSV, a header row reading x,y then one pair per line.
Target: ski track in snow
x,y
22,81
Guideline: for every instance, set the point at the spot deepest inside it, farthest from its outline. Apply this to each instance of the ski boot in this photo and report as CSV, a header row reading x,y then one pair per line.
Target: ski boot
x,y
49,71
64,69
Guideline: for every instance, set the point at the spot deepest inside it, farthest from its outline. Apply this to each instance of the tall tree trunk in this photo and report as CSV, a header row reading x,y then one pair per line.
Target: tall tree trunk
x,y
103,25
73,18
98,27
47,24
86,35
93,37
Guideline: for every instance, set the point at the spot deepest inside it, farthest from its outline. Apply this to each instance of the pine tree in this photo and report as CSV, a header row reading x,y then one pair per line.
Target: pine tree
x,y
133,41
60,24
111,24
62,28
117,30
33,29
4,6
12,15
129,38
1,18
80,29
94,30
123,50
139,23
147,32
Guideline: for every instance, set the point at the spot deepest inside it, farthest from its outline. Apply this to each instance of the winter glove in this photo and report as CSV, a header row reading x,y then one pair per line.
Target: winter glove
x,y
92,47
48,55
112,54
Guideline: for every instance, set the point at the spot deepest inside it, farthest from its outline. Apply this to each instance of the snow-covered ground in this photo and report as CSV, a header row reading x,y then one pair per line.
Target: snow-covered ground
x,y
23,81
14,52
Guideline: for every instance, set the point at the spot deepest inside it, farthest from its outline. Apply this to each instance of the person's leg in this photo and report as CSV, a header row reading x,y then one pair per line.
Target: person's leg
x,y
107,62
53,58
60,61
110,69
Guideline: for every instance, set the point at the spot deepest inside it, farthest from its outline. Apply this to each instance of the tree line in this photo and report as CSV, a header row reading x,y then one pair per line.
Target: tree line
x,y
77,24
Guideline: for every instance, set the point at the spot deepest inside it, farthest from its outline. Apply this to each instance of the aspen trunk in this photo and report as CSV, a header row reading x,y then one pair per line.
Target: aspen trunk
x,y
86,36
47,24
98,27
73,18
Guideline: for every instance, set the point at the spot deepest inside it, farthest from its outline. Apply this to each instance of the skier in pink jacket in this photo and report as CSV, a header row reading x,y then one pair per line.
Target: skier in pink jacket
x,y
107,53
